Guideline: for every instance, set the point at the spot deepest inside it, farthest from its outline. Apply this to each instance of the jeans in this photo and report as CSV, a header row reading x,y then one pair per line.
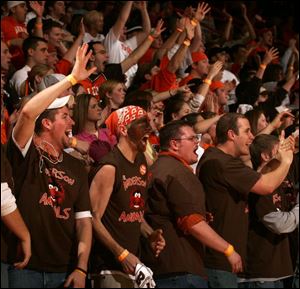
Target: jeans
x,y
33,279
262,284
181,281
221,279
4,275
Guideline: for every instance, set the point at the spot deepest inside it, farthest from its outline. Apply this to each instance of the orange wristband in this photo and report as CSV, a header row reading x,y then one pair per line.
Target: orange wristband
x,y
150,37
179,29
81,272
263,66
38,25
194,22
72,79
187,42
229,251
207,81
123,255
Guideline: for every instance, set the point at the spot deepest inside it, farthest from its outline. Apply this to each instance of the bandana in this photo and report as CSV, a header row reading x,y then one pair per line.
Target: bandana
x,y
123,116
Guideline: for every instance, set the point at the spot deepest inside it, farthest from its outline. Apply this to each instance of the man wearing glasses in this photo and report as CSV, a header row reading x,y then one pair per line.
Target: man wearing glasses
x,y
176,203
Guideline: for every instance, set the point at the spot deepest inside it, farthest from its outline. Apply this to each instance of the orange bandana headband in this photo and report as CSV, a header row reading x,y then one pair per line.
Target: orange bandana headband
x,y
123,116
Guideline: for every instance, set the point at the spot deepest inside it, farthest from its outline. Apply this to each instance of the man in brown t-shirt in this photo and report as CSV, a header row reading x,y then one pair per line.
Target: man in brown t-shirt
x,y
51,189
227,183
177,205
118,196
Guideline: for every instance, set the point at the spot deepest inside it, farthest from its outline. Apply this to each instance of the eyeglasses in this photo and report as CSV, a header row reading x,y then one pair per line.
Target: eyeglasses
x,y
194,138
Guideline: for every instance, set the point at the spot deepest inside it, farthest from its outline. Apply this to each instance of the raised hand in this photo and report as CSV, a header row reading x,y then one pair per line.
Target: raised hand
x,y
38,8
202,9
158,29
270,55
214,69
79,70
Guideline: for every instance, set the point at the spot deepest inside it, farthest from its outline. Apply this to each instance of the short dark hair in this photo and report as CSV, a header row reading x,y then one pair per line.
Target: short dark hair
x,y
227,122
48,113
31,42
171,130
191,118
262,143
48,24
91,45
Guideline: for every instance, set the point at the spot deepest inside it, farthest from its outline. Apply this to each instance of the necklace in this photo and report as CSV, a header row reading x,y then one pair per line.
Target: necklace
x,y
43,148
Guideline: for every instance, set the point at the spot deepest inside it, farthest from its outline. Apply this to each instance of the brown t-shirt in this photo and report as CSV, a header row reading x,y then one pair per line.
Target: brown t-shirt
x,y
268,253
48,196
227,182
125,209
174,191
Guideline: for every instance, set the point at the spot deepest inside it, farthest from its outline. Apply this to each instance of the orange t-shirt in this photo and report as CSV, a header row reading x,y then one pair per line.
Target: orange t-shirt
x,y
92,87
12,29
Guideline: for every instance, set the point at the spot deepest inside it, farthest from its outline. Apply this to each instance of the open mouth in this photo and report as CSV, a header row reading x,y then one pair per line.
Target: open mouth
x,y
69,133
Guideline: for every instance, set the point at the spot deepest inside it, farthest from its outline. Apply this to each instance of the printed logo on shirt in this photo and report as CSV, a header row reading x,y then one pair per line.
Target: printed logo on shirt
x,y
131,217
126,48
60,175
134,181
136,200
143,170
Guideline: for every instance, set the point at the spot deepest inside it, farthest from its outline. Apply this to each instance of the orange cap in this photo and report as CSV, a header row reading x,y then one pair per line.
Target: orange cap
x,y
215,85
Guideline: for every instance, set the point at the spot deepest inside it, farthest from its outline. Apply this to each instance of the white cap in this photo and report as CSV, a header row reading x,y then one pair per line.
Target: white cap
x,y
134,28
12,4
59,102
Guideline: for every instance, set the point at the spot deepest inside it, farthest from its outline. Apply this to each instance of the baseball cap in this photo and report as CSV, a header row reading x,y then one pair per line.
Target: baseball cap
x,y
49,80
59,102
12,4
134,28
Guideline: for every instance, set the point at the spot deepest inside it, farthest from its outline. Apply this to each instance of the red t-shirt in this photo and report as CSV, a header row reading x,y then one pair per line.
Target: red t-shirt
x,y
92,87
12,29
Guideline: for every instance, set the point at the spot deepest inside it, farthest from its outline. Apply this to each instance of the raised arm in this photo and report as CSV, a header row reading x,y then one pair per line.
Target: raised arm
x,y
142,6
135,56
270,55
38,9
248,23
33,108
122,19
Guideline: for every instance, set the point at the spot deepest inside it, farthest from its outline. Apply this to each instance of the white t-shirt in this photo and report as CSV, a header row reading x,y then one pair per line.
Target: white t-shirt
x,y
118,51
18,78
88,37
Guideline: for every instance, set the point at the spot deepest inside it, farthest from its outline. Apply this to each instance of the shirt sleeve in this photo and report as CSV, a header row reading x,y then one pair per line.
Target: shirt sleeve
x,y
8,201
282,222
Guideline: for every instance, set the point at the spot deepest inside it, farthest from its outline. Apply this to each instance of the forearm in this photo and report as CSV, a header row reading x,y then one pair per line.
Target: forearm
x,y
71,53
84,236
177,58
122,19
197,40
250,28
14,222
203,125
282,222
227,29
146,21
206,235
38,28
105,237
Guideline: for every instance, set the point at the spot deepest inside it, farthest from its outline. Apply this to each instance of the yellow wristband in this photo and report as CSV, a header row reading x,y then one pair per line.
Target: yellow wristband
x,y
194,22
123,255
263,66
73,142
207,81
187,42
72,79
81,272
229,251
